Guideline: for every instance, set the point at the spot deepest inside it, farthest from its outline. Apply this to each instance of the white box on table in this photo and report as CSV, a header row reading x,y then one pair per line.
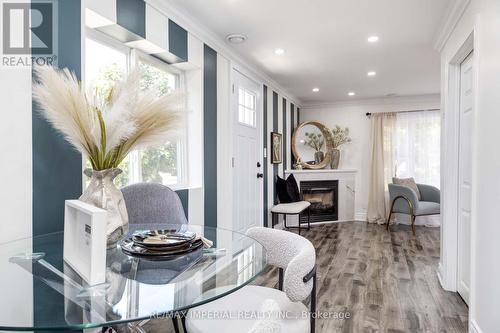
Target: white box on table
x,y
85,240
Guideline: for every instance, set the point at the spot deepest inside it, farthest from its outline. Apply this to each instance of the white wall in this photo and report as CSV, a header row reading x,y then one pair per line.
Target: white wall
x,y
356,155
15,149
483,19
224,144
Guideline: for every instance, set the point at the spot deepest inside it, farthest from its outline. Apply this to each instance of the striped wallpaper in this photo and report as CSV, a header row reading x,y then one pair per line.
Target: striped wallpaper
x,y
57,169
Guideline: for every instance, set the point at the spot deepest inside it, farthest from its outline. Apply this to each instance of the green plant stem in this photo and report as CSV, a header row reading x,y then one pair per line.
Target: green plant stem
x,y
102,151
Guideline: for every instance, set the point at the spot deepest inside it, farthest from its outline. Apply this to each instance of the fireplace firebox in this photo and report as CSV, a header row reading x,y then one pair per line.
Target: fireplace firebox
x,y
323,196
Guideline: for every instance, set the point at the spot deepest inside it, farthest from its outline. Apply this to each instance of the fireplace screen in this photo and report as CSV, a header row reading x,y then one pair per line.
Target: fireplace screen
x,y
323,196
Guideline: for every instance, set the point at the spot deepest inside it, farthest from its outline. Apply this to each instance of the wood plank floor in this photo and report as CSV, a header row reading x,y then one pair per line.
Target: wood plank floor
x,y
386,281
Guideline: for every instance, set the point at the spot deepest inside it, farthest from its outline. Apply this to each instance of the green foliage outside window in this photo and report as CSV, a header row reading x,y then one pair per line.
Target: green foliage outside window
x,y
162,160
158,164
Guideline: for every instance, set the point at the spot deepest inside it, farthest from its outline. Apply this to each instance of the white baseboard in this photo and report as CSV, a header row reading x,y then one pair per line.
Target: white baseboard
x,y
439,273
360,217
330,222
473,326
280,225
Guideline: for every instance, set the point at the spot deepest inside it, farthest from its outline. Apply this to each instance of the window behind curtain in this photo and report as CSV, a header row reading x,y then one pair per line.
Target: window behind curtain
x,y
416,146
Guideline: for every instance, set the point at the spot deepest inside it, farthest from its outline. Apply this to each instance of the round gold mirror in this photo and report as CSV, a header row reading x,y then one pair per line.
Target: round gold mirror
x,y
312,145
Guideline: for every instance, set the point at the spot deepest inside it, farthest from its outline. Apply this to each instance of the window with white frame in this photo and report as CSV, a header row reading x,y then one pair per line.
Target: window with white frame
x,y
107,61
247,109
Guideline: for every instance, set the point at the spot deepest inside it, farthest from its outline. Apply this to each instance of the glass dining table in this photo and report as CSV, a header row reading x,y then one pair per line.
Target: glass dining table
x,y
40,292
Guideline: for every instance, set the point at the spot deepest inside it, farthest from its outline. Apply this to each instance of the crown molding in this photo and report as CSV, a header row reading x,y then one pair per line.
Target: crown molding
x,y
454,12
430,100
207,36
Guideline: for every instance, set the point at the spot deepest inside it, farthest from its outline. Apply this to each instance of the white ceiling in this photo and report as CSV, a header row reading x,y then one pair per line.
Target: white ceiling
x,y
325,43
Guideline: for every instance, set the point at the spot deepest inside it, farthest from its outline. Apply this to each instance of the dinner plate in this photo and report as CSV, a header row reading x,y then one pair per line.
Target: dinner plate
x,y
163,238
129,247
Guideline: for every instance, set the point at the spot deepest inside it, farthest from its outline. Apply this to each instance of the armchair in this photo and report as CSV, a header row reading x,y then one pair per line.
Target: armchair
x,y
405,201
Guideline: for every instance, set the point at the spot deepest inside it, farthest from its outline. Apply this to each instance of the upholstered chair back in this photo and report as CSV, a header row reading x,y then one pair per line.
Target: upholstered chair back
x,y
153,203
293,253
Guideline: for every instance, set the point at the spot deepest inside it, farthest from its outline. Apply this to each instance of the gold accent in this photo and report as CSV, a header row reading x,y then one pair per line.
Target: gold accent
x,y
412,213
327,134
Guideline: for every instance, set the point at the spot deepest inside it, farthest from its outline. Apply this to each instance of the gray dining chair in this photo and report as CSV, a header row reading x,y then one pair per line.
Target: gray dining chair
x,y
295,258
406,201
151,203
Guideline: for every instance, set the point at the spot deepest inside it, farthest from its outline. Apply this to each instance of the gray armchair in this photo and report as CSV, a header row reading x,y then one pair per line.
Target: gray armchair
x,y
405,201
153,204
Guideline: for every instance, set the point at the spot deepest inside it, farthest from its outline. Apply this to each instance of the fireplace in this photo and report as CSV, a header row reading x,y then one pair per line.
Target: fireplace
x,y
323,196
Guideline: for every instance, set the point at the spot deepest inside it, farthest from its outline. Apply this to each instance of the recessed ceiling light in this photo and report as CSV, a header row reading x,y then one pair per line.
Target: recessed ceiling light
x,y
371,73
351,93
279,51
373,39
315,89
236,38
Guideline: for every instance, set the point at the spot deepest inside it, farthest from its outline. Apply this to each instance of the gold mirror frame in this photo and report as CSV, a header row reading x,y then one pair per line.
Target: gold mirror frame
x,y
327,134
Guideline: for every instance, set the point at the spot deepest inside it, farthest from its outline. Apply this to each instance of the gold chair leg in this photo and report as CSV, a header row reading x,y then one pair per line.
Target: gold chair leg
x,y
413,217
389,219
390,214
410,205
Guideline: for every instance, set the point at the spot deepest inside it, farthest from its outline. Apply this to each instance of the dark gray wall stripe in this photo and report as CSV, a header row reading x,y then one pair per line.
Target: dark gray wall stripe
x,y
210,137
177,41
298,116
57,170
285,138
57,167
265,160
131,14
292,129
275,129
184,196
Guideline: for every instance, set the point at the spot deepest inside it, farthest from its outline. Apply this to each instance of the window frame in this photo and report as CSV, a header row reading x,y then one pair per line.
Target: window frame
x,y
137,56
134,57
245,108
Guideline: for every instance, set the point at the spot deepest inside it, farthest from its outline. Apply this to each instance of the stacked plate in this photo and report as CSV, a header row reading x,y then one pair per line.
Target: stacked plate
x,y
161,244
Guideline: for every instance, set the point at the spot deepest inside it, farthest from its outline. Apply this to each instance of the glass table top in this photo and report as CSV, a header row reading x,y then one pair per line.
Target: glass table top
x,y
39,291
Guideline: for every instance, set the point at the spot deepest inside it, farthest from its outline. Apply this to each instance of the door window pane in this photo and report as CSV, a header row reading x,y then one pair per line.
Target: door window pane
x,y
246,107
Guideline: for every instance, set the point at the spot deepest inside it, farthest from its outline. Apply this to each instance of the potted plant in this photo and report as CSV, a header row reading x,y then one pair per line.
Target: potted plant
x,y
105,128
316,142
340,136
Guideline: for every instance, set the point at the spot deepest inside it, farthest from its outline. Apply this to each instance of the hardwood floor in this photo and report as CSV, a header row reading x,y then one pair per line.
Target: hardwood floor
x,y
386,281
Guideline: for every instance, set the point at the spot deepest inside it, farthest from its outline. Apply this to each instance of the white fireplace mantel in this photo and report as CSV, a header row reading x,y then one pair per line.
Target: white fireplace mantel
x,y
346,195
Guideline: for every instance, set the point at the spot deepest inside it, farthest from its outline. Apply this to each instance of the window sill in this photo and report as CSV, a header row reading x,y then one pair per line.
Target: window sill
x,y
181,187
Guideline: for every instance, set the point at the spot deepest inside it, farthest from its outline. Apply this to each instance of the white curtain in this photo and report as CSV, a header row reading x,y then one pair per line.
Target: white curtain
x,y
382,129
416,146
404,145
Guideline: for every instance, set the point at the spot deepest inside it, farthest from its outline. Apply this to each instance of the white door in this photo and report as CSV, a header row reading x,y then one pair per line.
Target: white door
x,y
247,156
465,176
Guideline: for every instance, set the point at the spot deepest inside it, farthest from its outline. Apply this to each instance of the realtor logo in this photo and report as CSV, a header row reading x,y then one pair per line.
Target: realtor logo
x,y
28,28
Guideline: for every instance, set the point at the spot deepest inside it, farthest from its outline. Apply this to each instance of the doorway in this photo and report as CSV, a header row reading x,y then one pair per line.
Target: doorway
x,y
466,120
247,153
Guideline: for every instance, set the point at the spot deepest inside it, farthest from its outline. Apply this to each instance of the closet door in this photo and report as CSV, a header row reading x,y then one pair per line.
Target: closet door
x,y
465,176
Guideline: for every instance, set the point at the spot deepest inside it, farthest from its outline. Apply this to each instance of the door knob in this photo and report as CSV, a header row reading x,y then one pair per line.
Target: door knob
x,y
260,175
